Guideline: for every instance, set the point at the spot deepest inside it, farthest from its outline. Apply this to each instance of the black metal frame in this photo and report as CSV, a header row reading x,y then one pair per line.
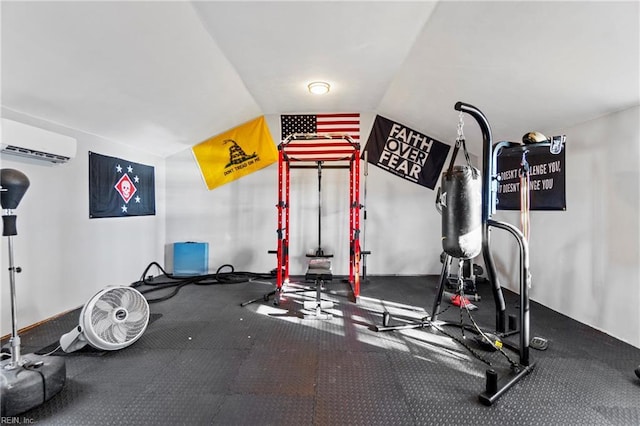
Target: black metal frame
x,y
495,386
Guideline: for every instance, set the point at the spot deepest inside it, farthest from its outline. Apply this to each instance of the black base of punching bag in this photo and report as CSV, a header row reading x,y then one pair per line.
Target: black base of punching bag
x,y
36,380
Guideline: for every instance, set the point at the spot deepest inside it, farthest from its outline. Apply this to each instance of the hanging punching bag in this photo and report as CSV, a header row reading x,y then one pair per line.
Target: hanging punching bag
x,y
461,203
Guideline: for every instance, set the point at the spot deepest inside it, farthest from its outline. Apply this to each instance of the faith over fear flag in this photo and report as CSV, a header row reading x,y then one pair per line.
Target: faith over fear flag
x,y
405,152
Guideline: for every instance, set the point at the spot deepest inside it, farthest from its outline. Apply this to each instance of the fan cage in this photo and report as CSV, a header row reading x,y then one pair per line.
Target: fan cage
x,y
115,318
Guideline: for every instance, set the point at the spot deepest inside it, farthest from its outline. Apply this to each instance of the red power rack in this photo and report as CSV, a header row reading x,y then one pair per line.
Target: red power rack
x,y
301,148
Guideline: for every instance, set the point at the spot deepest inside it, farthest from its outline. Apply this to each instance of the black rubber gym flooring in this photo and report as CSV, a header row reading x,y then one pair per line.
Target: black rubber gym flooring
x,y
204,359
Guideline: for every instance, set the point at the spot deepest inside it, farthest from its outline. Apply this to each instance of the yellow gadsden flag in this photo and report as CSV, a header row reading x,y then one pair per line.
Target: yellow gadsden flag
x,y
235,153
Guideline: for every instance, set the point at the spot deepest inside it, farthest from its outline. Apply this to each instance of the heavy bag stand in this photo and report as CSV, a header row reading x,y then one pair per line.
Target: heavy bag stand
x,y
26,381
495,386
312,151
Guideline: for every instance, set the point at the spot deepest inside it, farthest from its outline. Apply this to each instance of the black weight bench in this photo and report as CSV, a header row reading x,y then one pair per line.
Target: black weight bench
x,y
318,271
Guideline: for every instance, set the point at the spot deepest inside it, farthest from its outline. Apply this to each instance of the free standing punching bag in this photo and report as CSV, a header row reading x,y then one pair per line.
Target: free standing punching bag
x,y
14,184
461,204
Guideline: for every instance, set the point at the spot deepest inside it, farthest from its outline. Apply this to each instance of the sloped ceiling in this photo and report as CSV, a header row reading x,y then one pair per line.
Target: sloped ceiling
x,y
163,76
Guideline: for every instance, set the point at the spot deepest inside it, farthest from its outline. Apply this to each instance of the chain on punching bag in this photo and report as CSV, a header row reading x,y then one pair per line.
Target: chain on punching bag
x,y
461,206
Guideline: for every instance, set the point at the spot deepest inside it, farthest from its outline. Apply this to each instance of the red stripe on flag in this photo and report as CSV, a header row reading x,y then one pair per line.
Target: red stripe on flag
x,y
336,122
336,129
353,115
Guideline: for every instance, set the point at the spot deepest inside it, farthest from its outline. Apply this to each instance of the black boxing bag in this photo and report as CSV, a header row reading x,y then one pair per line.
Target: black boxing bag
x,y
461,203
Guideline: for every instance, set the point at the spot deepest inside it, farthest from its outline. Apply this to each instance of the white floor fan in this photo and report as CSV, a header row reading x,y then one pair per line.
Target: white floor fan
x,y
112,319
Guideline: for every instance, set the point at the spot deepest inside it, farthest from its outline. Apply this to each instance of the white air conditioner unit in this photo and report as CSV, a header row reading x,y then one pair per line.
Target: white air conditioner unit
x,y
26,141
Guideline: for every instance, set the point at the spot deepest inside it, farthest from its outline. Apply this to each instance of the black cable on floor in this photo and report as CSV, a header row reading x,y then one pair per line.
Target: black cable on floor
x,y
219,277
476,329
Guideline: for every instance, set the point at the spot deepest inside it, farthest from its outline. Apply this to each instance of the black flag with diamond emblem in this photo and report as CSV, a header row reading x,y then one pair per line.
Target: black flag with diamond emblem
x,y
120,188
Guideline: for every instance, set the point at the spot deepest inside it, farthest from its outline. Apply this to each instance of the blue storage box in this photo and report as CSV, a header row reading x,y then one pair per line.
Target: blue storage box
x,y
190,258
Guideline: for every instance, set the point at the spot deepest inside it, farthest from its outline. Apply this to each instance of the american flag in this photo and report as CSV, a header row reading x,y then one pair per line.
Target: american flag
x,y
322,124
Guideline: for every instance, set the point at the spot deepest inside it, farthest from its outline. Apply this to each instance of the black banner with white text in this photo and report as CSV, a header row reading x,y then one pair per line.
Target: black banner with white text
x,y
546,179
405,152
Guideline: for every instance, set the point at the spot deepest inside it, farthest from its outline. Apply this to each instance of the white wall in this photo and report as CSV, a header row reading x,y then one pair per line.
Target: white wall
x,y
585,261
239,219
65,256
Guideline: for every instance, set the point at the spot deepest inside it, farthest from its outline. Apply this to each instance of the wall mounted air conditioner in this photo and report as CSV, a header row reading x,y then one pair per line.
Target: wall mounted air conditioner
x,y
26,141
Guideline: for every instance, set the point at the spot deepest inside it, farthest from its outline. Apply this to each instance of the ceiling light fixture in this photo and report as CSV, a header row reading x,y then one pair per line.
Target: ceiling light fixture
x,y
318,87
